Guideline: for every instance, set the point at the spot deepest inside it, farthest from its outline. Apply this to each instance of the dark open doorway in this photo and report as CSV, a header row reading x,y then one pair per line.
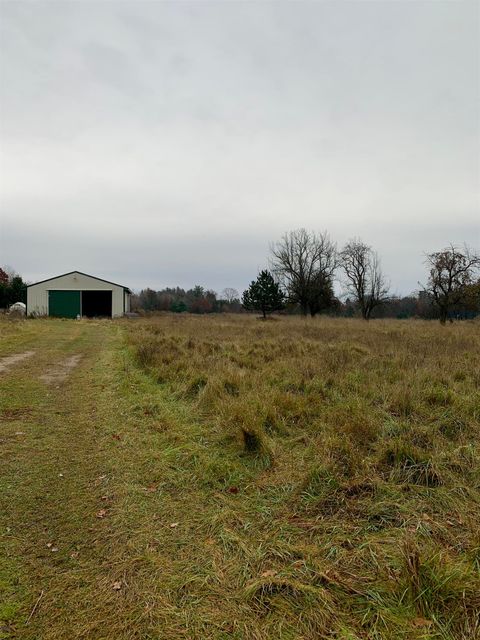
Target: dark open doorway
x,y
97,304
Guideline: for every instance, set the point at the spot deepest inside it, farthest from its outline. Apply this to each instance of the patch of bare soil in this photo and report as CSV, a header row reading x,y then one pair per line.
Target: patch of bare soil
x,y
8,361
16,413
60,372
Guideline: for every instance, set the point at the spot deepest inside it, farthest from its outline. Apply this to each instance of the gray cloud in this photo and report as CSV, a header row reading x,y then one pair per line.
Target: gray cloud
x,y
163,143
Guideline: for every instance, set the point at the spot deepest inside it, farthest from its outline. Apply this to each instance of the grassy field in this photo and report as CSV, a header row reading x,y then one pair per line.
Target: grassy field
x,y
226,478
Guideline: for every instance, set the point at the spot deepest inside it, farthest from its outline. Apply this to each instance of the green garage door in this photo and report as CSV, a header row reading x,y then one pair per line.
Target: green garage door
x,y
64,304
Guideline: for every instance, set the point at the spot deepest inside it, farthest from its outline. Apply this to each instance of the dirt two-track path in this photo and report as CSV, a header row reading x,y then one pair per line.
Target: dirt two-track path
x,y
56,449
92,464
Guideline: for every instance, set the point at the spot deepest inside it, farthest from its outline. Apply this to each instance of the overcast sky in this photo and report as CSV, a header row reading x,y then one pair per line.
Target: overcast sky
x,y
168,143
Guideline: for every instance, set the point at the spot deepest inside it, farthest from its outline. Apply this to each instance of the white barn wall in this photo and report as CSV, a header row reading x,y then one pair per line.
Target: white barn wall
x,y
37,294
127,301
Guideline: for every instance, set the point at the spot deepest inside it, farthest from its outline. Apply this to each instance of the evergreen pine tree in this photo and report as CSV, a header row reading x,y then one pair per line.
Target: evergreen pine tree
x,y
263,294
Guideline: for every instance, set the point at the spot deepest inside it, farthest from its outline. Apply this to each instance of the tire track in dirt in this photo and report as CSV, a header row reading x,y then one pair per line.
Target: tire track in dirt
x,y
8,361
61,371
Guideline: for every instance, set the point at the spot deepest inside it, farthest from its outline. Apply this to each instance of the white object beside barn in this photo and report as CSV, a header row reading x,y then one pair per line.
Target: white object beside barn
x,y
18,308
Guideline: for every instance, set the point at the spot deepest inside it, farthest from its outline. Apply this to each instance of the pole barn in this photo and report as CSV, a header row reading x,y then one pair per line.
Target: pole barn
x,y
77,294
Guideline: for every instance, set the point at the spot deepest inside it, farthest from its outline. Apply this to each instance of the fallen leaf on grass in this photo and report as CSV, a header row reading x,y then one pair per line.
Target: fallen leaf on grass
x,y
117,586
102,513
233,489
421,622
174,524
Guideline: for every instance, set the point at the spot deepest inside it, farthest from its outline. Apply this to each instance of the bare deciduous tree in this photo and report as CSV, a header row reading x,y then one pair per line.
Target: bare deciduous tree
x,y
364,278
302,261
451,275
230,295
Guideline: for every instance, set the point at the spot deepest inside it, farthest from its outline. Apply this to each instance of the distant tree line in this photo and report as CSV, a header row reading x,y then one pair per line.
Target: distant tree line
x,y
303,267
196,300
12,288
305,264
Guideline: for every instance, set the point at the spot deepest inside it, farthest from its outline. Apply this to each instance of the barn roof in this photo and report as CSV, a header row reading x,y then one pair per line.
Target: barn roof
x,y
82,274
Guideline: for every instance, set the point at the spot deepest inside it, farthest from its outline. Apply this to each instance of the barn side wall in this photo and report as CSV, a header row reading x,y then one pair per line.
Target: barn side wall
x,y
37,294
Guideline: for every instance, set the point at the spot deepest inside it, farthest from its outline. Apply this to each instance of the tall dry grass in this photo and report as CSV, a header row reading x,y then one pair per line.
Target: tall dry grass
x,y
354,450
